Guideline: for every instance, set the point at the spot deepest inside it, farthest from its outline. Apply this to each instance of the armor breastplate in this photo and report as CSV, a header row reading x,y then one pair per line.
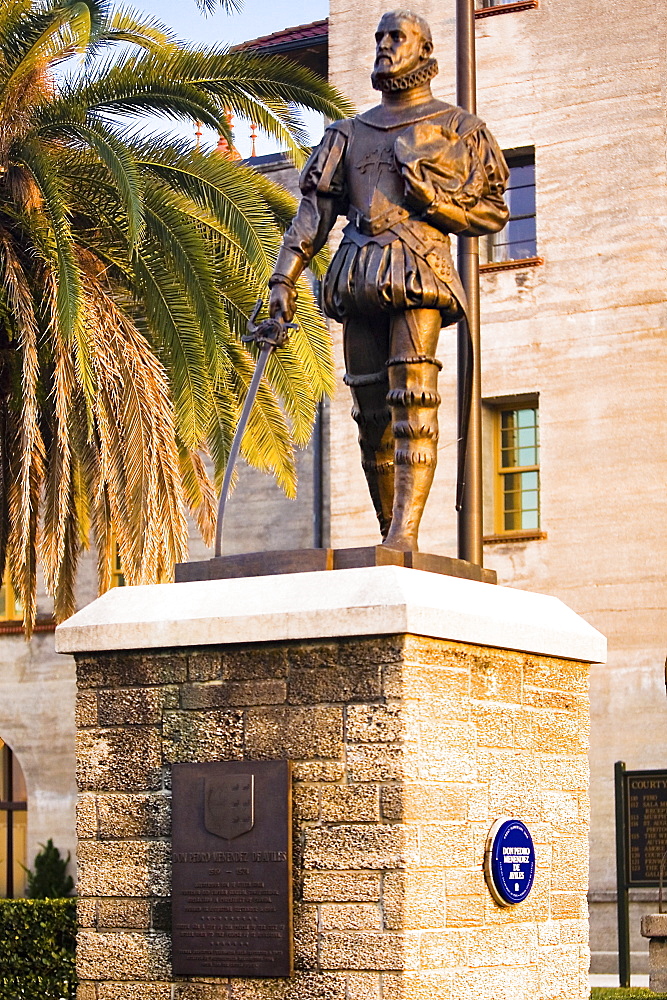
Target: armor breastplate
x,y
374,182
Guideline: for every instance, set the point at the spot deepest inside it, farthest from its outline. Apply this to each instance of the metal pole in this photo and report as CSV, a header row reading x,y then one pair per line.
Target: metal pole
x,y
318,478
622,899
470,514
9,791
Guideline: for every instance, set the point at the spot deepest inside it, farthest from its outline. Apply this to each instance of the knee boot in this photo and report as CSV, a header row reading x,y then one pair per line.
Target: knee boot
x,y
413,399
376,442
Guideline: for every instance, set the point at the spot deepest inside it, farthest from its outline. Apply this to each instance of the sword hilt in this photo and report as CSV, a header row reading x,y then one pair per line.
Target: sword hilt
x,y
273,331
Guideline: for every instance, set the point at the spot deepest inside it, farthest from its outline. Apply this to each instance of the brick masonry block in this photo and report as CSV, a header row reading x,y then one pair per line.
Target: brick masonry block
x,y
119,759
123,914
304,986
348,886
205,665
85,713
379,762
86,816
86,912
123,817
124,868
381,650
350,803
123,955
350,916
447,684
306,803
364,986
294,732
131,706
114,670
318,770
202,991
134,991
256,663
341,684
306,937
202,736
231,694
414,900
370,847
369,950
375,723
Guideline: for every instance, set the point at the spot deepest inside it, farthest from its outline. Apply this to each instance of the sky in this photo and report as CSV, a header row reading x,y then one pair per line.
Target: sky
x,y
258,17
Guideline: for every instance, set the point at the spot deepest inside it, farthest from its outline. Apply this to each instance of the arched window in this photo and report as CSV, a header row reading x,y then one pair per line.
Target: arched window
x,y
13,824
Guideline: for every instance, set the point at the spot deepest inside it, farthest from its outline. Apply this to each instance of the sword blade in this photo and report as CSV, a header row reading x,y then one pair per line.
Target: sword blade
x,y
265,352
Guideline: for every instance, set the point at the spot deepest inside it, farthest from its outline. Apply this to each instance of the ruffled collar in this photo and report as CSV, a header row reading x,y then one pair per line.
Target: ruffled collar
x,y
408,81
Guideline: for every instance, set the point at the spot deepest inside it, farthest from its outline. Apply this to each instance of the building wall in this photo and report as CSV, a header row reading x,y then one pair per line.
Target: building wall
x,y
37,692
585,85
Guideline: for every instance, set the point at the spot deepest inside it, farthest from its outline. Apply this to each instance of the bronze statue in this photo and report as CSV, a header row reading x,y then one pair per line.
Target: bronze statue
x,y
406,174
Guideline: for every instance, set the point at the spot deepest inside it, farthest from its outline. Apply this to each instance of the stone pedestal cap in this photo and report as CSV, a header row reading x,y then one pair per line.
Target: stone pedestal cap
x,y
378,600
654,925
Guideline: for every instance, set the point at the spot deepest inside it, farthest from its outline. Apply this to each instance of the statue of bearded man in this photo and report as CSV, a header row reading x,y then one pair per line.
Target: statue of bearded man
x,y
407,174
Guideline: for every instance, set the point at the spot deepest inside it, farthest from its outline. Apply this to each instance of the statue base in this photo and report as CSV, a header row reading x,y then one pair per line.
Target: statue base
x,y
313,560
416,710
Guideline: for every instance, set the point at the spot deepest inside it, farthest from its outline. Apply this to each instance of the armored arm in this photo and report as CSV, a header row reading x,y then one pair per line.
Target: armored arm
x,y
322,186
490,213
457,180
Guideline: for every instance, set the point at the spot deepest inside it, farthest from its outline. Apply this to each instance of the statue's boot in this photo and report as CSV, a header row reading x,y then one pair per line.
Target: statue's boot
x,y
376,440
414,400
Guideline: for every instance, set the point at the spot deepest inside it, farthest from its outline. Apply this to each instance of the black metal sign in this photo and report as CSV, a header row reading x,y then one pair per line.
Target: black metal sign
x,y
641,843
646,826
231,869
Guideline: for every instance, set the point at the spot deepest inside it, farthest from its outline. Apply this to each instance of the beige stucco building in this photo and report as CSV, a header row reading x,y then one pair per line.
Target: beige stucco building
x,y
574,315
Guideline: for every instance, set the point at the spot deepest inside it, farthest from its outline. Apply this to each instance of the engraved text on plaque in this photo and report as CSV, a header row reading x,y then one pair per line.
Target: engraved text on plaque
x,y
231,865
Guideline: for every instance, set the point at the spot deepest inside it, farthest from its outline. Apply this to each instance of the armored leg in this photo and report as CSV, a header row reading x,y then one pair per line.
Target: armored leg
x,y
366,344
376,441
414,400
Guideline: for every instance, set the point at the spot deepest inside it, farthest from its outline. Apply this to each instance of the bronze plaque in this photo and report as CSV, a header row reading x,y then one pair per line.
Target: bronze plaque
x,y
231,868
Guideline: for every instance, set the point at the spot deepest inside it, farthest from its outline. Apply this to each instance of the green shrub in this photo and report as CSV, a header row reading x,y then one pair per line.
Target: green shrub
x,y
617,993
37,945
49,880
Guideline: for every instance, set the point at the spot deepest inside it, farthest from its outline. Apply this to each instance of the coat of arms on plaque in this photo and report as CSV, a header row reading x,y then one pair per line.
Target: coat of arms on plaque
x,y
229,805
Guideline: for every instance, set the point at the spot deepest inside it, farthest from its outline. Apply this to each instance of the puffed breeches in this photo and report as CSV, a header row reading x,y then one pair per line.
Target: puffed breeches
x,y
391,278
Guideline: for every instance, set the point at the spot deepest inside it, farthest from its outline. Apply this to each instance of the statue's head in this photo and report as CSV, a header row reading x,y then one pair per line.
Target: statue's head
x,y
403,48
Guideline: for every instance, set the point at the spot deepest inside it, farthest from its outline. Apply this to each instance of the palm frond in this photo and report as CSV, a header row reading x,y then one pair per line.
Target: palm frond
x,y
176,332
209,6
188,255
57,505
199,492
47,36
118,160
130,27
59,246
137,86
27,448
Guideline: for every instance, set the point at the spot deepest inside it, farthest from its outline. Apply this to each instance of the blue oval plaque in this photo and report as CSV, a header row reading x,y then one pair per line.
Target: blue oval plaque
x,y
509,861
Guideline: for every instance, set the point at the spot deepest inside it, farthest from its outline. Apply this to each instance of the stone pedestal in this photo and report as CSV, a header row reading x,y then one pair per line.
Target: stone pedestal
x,y
654,927
416,710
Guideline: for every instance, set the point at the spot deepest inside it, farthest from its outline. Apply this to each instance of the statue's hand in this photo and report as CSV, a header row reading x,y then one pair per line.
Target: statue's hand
x,y
282,301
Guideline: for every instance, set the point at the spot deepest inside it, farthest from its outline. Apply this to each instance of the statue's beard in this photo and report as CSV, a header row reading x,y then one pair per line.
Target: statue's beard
x,y
408,81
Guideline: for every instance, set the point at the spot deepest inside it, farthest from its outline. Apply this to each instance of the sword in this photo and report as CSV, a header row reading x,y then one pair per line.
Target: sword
x,y
269,334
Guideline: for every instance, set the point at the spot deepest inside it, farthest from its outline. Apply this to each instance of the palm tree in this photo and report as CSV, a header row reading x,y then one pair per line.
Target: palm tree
x,y
128,267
